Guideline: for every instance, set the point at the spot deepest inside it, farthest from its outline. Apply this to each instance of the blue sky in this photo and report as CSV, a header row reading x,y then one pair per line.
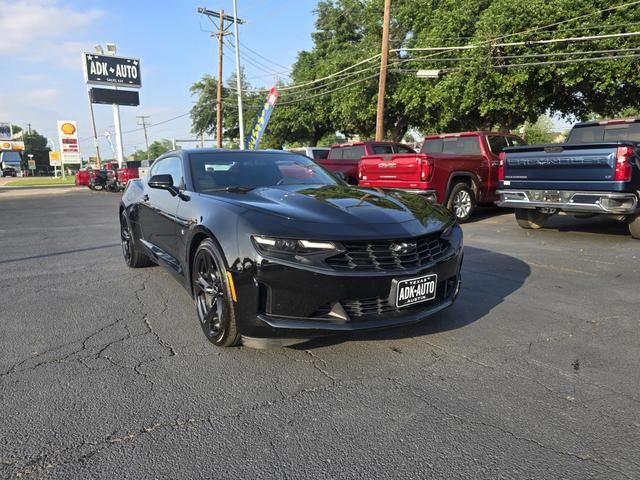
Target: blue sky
x,y
41,42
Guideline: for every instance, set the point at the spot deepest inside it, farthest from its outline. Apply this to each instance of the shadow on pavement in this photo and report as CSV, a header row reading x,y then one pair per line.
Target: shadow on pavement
x,y
487,279
55,254
482,213
597,224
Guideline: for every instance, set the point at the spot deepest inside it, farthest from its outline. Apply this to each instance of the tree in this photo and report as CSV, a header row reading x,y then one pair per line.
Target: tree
x,y
35,144
203,113
159,147
541,131
509,85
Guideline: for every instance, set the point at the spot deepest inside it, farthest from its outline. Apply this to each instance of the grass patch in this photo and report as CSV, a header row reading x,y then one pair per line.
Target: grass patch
x,y
41,181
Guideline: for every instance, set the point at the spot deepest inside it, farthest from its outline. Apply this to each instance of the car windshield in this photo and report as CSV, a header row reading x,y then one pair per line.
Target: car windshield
x,y
223,170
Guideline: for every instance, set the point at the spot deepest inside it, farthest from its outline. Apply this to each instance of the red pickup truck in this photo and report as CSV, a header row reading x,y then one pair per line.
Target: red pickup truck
x,y
128,171
459,170
346,157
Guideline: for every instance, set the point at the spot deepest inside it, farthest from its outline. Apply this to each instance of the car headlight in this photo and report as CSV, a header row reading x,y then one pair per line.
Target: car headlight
x,y
292,246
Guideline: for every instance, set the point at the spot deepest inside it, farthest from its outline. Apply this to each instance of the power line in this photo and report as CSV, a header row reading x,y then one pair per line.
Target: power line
x,y
521,43
596,12
263,57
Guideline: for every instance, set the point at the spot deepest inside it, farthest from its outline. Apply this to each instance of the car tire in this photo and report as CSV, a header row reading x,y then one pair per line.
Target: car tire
x,y
461,202
634,227
530,219
212,293
134,257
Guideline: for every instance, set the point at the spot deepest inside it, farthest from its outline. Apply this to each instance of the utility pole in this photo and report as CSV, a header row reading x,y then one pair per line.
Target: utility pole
x,y
29,128
384,59
238,79
222,31
144,124
219,100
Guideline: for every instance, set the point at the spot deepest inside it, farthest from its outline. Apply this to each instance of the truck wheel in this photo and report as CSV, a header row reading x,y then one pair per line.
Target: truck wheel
x,y
530,219
461,202
634,227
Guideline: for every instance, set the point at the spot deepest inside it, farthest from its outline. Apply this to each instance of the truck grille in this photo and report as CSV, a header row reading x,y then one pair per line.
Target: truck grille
x,y
389,255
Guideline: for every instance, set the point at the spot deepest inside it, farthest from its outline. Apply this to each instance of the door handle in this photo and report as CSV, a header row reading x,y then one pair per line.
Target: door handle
x,y
145,197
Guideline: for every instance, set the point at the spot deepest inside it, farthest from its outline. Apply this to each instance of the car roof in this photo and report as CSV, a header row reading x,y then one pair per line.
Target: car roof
x,y
612,121
224,150
465,134
364,142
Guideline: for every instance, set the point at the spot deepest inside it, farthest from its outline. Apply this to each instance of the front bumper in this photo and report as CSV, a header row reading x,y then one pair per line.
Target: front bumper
x,y
288,302
570,201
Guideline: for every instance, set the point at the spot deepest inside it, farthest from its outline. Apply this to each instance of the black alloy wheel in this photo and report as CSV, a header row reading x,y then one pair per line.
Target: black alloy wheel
x,y
131,252
212,294
125,239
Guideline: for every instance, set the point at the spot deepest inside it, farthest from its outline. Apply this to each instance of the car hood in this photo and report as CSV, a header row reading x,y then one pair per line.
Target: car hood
x,y
336,204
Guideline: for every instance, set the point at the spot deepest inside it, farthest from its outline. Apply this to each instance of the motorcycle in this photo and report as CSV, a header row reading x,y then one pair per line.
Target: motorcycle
x,y
104,180
98,180
112,184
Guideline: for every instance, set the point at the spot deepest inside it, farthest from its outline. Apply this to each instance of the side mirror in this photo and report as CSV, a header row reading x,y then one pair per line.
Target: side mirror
x,y
163,182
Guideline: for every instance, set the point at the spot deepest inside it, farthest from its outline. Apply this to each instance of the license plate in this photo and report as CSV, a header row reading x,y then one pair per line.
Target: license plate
x,y
416,290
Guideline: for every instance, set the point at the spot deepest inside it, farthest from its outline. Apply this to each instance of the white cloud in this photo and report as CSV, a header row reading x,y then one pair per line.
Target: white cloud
x,y
28,26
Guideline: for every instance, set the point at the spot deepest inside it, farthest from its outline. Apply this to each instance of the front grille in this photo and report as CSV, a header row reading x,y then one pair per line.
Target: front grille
x,y
362,307
389,255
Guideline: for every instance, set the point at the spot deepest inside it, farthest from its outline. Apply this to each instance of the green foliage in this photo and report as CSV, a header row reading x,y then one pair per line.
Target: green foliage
x,y
35,144
159,147
490,86
541,131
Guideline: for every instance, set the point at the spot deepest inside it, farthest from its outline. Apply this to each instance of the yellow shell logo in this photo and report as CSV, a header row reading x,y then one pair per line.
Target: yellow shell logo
x,y
68,128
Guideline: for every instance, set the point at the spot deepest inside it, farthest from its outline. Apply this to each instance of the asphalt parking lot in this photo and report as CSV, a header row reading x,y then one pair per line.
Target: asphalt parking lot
x,y
104,371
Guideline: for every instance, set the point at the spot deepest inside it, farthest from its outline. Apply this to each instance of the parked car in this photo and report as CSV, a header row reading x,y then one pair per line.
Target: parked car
x,y
314,153
10,172
275,250
83,177
459,170
595,172
345,157
128,171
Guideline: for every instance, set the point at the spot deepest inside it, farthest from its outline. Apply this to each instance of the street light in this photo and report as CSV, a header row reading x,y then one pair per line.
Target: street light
x,y
112,48
98,49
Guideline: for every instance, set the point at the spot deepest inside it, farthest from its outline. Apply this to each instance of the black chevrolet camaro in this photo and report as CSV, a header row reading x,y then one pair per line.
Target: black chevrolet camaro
x,y
276,250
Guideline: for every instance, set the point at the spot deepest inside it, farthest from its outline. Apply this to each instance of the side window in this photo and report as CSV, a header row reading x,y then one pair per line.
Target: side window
x,y
497,144
515,141
169,166
353,153
335,153
319,154
432,146
382,149
404,149
462,145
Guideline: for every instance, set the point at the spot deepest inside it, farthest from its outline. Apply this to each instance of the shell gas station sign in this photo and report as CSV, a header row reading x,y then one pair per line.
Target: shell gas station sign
x,y
68,138
54,158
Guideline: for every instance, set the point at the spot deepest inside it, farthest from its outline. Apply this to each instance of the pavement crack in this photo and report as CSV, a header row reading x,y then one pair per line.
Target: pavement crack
x,y
322,370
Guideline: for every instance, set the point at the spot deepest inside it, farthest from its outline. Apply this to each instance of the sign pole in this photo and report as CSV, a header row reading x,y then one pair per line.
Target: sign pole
x,y
95,133
116,122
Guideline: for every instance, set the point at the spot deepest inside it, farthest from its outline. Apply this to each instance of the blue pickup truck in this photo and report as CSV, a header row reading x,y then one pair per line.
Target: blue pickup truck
x,y
595,172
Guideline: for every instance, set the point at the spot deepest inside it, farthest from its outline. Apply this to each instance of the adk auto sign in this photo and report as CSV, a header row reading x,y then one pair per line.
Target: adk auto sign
x,y
108,70
68,137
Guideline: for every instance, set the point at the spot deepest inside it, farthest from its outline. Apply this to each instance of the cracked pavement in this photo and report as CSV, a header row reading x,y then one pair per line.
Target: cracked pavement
x,y
104,372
